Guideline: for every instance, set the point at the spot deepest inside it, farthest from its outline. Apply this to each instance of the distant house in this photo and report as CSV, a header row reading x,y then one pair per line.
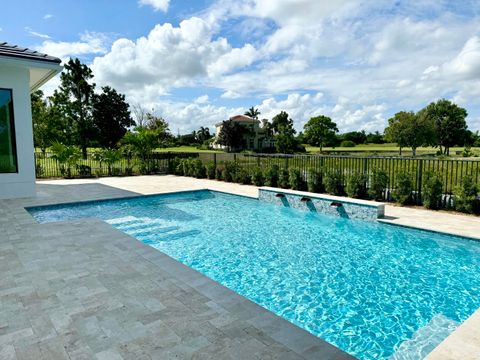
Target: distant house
x,y
21,72
257,138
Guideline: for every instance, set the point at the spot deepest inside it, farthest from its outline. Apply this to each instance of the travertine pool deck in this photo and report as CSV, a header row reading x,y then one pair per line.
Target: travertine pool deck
x,y
84,290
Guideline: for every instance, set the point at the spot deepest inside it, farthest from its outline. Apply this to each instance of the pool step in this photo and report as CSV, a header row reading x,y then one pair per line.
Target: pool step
x,y
152,230
425,339
149,230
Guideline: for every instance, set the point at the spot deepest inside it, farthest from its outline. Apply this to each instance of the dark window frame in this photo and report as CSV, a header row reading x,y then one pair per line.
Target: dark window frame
x,y
14,134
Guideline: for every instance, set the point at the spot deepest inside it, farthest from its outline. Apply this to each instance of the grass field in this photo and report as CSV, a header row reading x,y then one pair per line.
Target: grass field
x,y
188,149
370,149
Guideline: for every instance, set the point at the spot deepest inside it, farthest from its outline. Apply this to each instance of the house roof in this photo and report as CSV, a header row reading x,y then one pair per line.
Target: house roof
x,y
15,51
241,119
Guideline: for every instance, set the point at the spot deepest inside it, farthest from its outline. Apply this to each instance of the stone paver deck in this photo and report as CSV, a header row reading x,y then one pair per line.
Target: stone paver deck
x,y
84,290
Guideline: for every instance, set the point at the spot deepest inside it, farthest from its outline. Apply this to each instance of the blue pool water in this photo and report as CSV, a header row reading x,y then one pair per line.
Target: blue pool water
x,y
363,286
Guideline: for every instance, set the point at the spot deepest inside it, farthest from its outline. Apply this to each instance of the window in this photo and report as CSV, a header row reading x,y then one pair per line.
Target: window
x,y
8,150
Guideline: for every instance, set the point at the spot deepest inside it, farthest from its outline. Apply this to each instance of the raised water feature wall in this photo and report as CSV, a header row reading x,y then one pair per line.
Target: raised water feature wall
x,y
324,204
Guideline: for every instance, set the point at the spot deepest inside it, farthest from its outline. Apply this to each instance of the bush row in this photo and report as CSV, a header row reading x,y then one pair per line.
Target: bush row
x,y
355,185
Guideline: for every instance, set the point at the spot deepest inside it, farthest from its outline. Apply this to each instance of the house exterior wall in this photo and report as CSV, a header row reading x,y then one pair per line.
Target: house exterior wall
x,y
22,183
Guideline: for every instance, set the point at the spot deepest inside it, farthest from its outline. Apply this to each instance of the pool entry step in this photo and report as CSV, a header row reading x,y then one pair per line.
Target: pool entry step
x,y
425,339
150,231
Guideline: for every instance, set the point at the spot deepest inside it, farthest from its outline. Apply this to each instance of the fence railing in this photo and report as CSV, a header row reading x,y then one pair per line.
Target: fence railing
x,y
451,171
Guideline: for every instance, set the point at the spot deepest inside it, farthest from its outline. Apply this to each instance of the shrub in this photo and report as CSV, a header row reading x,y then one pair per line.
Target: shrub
x,y
356,185
172,166
378,183
84,170
257,177
295,179
179,168
187,167
403,189
210,169
271,176
242,176
283,179
219,172
466,196
333,182
198,169
229,170
314,181
432,191
347,143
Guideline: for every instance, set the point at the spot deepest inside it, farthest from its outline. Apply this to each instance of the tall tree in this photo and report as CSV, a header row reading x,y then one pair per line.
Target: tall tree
x,y
320,130
48,124
282,126
78,92
111,117
253,113
231,135
449,123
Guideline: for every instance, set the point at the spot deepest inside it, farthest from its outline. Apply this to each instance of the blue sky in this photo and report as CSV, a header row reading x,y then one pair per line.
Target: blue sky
x,y
198,62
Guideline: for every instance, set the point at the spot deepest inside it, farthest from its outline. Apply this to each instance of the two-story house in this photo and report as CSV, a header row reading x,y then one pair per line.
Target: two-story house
x,y
257,138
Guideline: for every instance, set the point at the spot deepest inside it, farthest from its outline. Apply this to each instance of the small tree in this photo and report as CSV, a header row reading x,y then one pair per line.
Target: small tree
x,y
320,130
67,157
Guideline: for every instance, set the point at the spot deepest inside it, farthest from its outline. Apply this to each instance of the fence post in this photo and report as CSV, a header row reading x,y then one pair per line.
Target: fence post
x,y
286,162
419,175
365,172
215,160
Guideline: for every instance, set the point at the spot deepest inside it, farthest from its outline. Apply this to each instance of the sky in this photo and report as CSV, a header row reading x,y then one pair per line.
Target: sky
x,y
198,62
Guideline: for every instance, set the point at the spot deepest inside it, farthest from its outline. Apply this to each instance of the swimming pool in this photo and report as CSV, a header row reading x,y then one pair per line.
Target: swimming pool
x,y
363,286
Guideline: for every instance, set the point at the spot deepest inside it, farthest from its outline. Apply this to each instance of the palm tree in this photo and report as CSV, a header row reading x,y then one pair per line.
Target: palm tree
x,y
253,113
203,134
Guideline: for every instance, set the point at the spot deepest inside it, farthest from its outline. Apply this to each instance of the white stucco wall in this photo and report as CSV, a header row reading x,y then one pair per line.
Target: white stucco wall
x,y
21,184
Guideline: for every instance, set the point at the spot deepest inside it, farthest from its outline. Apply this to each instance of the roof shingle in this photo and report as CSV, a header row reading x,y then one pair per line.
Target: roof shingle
x,y
14,51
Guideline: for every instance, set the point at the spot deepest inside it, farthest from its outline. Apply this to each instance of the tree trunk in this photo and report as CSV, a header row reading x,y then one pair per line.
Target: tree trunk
x,y
84,151
400,150
414,151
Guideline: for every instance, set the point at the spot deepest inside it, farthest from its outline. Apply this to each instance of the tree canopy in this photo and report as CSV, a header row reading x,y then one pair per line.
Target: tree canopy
x,y
449,123
231,134
319,130
408,129
253,113
111,117
284,133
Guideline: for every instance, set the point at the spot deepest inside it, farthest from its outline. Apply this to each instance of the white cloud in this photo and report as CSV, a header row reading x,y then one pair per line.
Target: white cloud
x,y
467,63
158,5
90,43
169,57
37,34
201,99
230,94
47,16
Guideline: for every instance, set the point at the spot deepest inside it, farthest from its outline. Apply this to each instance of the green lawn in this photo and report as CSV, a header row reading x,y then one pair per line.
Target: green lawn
x,y
187,149
387,149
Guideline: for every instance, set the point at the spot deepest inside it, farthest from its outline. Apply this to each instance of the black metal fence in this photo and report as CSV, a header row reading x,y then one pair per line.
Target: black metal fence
x,y
451,171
